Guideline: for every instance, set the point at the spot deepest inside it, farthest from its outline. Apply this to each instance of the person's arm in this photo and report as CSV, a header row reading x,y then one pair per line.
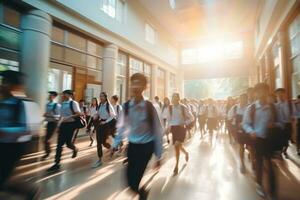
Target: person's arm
x,y
247,121
189,116
122,125
157,131
112,114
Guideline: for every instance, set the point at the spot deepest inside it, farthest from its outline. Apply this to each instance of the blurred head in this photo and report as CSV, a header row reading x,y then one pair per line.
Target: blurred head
x,y
175,98
114,99
11,81
280,94
67,94
138,83
82,102
166,101
52,95
243,99
103,97
156,98
262,91
94,101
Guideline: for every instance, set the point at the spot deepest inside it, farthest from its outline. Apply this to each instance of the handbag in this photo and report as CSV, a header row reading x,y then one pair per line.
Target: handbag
x,y
80,121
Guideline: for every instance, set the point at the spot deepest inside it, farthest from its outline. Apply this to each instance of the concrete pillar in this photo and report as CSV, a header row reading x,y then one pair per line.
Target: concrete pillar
x,y
167,84
110,56
269,69
154,82
36,28
283,58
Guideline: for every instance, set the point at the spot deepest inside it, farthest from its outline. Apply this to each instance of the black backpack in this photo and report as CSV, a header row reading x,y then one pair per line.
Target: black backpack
x,y
275,135
80,120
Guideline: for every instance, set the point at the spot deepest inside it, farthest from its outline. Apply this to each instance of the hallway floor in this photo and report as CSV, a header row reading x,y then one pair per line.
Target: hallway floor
x,y
212,173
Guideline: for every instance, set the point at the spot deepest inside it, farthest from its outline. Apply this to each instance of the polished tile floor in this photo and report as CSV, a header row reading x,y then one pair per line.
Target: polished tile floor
x,y
212,173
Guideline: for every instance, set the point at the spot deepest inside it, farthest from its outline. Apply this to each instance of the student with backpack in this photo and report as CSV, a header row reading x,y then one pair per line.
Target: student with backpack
x,y
18,125
70,121
106,120
117,107
140,120
92,112
202,117
235,116
261,123
52,116
286,112
179,117
212,114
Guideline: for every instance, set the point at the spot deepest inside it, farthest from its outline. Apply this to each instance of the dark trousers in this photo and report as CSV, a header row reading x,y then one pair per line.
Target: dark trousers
x,y
103,132
287,133
65,136
51,126
262,154
138,158
10,154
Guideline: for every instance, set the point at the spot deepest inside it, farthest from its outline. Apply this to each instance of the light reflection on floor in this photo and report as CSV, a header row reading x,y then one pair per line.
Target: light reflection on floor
x,y
211,174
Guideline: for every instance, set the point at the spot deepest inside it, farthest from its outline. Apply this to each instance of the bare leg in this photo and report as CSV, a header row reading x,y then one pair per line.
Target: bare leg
x,y
185,152
242,167
177,154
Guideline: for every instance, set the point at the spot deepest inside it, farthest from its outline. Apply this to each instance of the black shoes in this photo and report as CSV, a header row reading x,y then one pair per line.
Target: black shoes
x,y
75,153
55,167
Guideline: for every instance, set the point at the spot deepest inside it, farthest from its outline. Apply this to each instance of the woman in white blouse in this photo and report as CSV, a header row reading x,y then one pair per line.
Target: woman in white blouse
x,y
164,116
92,112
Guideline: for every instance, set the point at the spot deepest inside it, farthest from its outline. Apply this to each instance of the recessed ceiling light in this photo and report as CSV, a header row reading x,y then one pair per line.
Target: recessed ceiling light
x,y
172,4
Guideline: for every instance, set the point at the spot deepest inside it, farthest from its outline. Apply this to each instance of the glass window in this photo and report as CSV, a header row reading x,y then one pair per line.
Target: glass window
x,y
122,64
94,49
150,34
147,70
9,38
109,7
296,64
120,10
57,52
91,62
76,41
11,17
57,35
94,76
275,52
295,45
75,57
233,50
136,66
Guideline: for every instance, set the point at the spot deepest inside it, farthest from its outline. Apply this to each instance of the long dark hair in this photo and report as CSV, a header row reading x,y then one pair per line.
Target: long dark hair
x,y
106,100
97,104
165,105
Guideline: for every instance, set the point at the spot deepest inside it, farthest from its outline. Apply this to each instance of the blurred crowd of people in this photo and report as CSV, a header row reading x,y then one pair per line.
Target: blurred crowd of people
x,y
256,122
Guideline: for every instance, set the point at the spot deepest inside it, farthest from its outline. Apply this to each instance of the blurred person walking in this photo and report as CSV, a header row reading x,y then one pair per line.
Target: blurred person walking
x,y
52,116
140,120
106,120
70,113
179,117
20,119
91,122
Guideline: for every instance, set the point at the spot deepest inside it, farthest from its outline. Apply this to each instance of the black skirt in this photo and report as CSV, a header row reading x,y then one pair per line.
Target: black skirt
x,y
178,133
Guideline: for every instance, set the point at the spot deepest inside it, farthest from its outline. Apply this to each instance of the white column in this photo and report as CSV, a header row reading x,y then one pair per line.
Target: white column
x,y
282,58
110,56
35,50
154,82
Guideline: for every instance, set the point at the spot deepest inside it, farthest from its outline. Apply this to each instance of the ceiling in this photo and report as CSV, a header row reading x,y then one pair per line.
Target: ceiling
x,y
192,20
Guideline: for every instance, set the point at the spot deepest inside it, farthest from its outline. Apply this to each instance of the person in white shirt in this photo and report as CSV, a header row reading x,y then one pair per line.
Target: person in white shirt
x,y
179,117
202,117
67,125
106,118
164,117
114,100
92,112
235,116
52,116
140,122
212,114
286,112
297,111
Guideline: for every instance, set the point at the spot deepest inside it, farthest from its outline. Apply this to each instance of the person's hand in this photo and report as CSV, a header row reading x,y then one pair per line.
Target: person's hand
x,y
253,135
157,165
